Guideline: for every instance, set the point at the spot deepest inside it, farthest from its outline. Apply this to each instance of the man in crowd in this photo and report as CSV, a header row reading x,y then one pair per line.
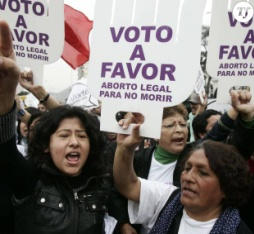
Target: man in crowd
x,y
204,122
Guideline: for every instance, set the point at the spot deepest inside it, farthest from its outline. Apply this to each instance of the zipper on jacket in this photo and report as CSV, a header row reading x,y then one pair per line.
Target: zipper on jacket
x,y
76,195
76,212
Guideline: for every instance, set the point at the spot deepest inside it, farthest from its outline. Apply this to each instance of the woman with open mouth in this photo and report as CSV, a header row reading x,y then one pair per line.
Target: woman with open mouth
x,y
215,180
64,187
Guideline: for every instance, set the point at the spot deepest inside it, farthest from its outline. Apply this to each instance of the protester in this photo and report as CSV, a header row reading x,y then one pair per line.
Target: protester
x,y
159,162
65,170
204,122
6,53
147,163
42,107
64,187
33,118
44,98
243,138
197,107
24,121
162,162
214,181
22,133
35,170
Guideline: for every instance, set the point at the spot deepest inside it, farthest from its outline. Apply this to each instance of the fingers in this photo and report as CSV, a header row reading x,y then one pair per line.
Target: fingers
x,y
235,99
135,131
26,79
128,119
28,75
240,97
131,117
8,67
244,96
125,123
6,48
241,102
138,118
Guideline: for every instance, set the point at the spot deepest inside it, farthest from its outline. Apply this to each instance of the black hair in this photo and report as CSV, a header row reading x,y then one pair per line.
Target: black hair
x,y
33,111
199,123
33,116
48,124
230,168
19,135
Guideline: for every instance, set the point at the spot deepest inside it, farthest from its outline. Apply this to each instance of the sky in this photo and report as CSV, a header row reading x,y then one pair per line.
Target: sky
x,y
59,75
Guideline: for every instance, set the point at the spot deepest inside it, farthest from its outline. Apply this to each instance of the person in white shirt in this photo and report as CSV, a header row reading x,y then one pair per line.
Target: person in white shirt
x,y
214,181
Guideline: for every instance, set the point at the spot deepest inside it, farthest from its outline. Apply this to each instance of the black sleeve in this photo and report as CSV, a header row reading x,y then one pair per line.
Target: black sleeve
x,y
20,174
221,130
243,139
243,229
117,205
118,208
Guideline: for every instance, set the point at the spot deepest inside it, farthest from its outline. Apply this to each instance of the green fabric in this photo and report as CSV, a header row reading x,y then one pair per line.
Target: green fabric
x,y
163,156
248,124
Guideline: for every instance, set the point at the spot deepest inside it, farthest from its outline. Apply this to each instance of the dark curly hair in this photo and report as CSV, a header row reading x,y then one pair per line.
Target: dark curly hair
x,y
48,124
230,168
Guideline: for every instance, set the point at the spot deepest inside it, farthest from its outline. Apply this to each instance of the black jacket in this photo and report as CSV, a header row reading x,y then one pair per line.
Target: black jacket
x,y
47,202
56,207
6,213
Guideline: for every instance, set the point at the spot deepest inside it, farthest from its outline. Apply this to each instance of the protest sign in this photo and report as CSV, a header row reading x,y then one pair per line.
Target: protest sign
x,y
38,31
80,96
199,87
230,47
144,56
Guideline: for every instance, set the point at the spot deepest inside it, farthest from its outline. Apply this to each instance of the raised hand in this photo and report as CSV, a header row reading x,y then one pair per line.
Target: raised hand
x,y
133,140
125,178
131,117
241,101
9,71
201,107
129,142
26,80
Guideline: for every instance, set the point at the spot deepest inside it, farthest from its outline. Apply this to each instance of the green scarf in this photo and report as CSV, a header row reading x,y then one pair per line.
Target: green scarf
x,y
163,156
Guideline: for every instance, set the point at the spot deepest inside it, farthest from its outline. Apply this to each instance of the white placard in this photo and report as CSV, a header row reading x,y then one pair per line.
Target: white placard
x,y
80,96
200,85
37,29
144,56
230,47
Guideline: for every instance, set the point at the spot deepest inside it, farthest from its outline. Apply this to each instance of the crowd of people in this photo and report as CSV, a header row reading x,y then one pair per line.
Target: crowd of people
x,y
61,174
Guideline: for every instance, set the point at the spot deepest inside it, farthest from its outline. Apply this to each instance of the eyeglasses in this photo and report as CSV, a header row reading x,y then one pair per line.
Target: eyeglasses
x,y
173,125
